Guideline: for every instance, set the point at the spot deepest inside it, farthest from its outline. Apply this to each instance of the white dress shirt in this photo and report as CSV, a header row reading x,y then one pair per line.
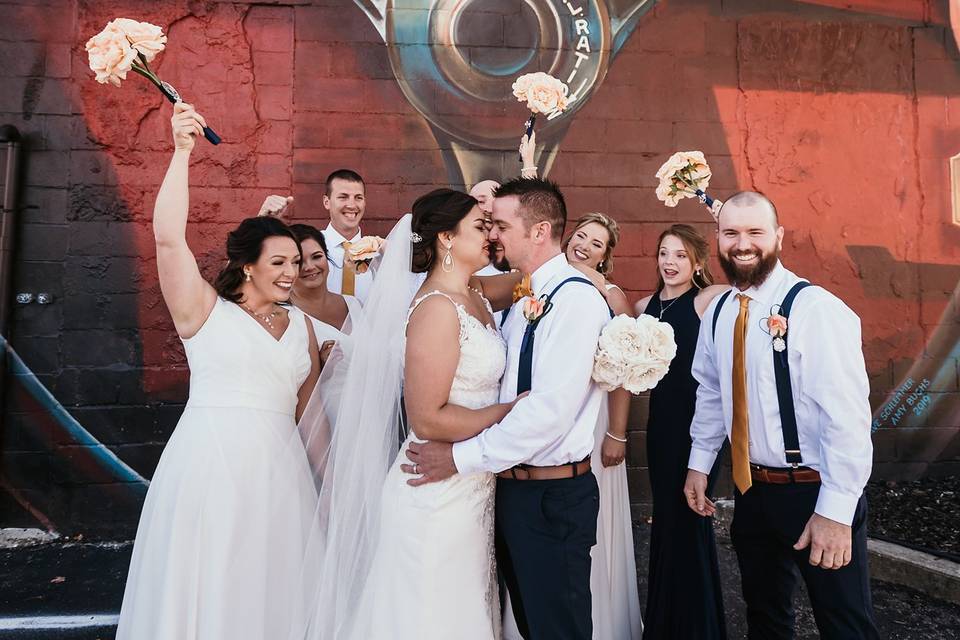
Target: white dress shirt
x,y
362,281
830,389
555,424
491,270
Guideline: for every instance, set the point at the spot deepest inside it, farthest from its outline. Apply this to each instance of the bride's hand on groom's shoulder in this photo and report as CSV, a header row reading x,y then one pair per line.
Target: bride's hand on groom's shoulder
x,y
430,461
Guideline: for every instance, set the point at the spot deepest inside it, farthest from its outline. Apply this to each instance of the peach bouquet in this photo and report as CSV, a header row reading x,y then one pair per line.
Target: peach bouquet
x,y
126,45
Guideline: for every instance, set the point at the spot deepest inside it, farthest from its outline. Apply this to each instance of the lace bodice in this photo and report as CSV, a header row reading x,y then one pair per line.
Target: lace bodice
x,y
483,357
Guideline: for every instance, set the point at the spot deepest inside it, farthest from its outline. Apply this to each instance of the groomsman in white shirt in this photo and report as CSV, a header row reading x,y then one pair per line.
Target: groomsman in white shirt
x,y
781,372
345,201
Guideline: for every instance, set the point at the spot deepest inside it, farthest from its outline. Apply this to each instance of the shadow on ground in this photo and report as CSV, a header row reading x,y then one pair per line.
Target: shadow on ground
x,y
72,579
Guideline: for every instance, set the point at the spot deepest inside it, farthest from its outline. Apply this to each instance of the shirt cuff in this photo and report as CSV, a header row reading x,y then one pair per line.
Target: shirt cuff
x,y
467,456
839,507
702,460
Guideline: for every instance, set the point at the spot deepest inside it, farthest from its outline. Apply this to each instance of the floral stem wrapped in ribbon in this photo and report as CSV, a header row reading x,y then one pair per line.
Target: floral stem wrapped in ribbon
x,y
633,353
127,45
686,175
362,252
543,94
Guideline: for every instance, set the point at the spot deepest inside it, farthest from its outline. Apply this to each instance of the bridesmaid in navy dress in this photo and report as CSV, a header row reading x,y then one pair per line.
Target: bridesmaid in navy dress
x,y
683,585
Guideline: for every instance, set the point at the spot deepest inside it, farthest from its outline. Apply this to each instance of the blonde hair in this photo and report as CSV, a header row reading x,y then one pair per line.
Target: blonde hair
x,y
698,251
613,231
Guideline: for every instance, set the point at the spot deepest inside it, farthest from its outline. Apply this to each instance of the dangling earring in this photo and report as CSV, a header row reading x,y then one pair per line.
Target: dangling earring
x,y
249,277
447,264
600,267
695,283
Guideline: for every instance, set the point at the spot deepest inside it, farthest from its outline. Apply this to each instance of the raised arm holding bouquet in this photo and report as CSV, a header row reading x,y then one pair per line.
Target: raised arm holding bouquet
x,y
543,94
127,45
686,175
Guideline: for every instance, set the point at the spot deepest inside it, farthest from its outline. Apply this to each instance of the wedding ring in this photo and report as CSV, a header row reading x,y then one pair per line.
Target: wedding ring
x,y
416,468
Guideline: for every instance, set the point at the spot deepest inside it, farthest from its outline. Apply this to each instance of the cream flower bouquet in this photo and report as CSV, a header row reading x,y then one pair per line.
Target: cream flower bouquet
x,y
543,94
127,45
633,353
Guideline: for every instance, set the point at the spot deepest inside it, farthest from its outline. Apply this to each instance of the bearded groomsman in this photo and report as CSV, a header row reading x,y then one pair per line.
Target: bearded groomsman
x,y
781,372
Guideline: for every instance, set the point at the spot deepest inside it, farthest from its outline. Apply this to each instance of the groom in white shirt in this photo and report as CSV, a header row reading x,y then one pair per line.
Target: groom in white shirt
x,y
547,497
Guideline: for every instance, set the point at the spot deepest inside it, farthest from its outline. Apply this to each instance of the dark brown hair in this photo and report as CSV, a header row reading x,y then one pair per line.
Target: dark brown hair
x,y
304,231
348,175
244,246
540,201
433,213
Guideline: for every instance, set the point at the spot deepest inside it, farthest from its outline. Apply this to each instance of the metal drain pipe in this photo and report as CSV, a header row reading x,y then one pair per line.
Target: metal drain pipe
x,y
10,148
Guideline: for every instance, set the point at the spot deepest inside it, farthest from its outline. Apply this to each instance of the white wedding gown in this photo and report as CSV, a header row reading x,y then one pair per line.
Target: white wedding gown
x,y
222,534
433,575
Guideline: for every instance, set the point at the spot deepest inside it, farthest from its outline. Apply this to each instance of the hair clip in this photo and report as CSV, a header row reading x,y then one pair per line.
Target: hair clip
x,y
415,238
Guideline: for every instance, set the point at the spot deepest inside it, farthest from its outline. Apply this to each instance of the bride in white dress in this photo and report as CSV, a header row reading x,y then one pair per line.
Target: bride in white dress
x,y
226,520
389,560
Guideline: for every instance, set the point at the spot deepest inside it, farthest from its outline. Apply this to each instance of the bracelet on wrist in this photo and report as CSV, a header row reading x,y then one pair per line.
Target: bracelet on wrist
x,y
617,438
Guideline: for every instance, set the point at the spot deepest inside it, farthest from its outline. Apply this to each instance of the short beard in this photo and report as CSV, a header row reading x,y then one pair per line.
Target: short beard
x,y
500,265
744,278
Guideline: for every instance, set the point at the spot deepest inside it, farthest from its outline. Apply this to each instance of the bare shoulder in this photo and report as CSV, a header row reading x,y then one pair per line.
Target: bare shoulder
x,y
706,296
617,300
432,312
642,304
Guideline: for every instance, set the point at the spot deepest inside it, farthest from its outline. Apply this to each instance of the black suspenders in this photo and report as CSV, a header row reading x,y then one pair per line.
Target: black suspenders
x,y
781,369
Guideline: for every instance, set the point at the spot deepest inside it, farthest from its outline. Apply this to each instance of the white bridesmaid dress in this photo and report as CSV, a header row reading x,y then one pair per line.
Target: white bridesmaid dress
x,y
222,534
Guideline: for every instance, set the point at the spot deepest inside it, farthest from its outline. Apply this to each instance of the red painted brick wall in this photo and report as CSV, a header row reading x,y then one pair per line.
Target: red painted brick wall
x,y
846,118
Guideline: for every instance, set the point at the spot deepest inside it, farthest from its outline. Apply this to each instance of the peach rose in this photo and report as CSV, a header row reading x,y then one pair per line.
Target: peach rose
x,y
110,55
692,167
363,251
533,309
146,38
777,325
542,92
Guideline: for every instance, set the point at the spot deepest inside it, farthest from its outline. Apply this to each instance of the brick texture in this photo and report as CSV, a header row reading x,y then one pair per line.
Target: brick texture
x,y
844,113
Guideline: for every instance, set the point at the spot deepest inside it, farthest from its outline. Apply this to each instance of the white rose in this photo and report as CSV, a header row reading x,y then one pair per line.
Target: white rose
x,y
644,376
620,337
608,371
662,342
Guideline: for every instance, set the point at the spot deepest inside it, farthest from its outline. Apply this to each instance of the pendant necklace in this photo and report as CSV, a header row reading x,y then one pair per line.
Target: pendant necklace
x,y
664,308
265,318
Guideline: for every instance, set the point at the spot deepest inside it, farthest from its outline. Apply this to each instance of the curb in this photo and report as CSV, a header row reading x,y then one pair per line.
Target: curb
x,y
12,538
936,577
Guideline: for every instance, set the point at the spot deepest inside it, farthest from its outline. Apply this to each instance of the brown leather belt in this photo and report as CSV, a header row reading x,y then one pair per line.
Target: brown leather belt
x,y
559,472
770,475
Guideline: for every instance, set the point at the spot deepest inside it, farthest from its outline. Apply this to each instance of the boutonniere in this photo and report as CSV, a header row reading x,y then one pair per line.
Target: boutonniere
x,y
535,309
777,328
522,289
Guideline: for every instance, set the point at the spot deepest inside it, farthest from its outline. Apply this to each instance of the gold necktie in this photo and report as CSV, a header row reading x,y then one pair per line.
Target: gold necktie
x,y
347,285
740,436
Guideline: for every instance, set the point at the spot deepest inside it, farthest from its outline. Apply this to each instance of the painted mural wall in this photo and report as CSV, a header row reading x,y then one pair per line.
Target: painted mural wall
x,y
845,113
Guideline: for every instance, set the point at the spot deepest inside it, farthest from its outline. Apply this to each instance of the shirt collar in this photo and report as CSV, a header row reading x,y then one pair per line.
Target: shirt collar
x,y
334,239
547,272
767,289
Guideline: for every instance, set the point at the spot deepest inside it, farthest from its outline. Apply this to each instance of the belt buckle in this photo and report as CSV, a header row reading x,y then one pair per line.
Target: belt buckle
x,y
524,471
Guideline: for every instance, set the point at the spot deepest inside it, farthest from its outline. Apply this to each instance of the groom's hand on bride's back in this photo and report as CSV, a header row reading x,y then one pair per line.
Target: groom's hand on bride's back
x,y
429,461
